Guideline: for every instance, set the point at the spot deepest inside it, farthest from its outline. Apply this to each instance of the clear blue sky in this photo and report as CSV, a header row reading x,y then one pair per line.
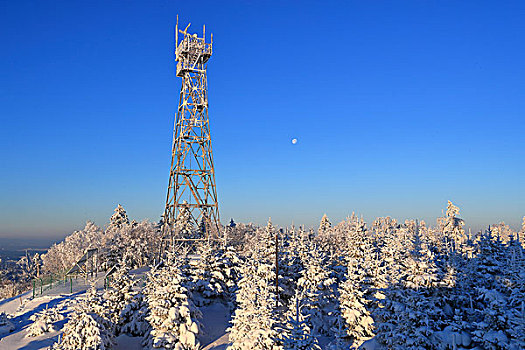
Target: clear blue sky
x,y
398,106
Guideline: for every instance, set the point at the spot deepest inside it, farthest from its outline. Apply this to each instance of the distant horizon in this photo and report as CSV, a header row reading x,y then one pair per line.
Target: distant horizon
x,y
396,108
429,223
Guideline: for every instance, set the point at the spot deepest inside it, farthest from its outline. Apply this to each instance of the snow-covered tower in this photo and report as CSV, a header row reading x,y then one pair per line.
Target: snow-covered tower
x,y
192,176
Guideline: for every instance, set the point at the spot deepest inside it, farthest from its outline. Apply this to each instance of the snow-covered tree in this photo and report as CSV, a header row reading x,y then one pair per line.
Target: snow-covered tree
x,y
119,218
231,269
453,227
253,323
172,314
325,225
295,334
133,316
409,312
494,314
119,294
208,280
318,287
521,235
262,243
183,224
83,332
62,256
292,248
134,245
359,324
503,231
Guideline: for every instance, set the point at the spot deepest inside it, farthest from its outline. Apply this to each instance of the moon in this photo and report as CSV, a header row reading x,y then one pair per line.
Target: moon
x,y
294,141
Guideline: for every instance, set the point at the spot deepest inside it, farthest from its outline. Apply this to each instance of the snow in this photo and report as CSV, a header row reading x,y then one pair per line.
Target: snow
x,y
23,308
215,320
126,342
388,286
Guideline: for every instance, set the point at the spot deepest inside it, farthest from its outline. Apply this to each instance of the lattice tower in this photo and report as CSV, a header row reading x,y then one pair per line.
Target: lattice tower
x,y
192,193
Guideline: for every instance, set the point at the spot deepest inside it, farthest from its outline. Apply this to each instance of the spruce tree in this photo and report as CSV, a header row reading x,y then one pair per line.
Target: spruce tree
x,y
318,287
453,228
118,295
172,314
324,226
253,323
359,324
296,334
119,218
521,235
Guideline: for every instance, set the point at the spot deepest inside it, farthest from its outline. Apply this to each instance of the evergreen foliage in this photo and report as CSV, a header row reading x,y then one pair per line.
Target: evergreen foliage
x,y
296,335
172,314
253,323
88,327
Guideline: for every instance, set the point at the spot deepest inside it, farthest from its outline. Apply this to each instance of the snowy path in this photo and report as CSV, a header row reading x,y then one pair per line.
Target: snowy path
x,y
215,320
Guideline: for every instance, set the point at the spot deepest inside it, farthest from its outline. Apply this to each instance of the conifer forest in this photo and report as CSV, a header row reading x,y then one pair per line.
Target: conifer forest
x,y
350,285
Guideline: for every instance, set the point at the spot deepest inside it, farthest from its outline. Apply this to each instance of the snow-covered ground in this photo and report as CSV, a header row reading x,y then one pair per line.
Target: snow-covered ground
x,y
22,307
215,318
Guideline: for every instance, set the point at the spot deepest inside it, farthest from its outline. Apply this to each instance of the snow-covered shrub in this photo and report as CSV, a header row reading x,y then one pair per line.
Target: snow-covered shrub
x,y
6,326
87,328
43,322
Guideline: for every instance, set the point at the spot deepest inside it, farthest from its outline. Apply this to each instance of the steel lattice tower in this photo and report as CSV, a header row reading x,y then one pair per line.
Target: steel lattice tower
x,y
191,186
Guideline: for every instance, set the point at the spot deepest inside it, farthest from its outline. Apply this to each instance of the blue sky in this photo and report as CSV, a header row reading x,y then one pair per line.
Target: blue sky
x,y
398,106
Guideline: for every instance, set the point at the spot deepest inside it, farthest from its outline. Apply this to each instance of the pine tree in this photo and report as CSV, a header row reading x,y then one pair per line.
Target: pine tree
x,y
183,224
493,315
133,316
290,265
231,269
521,235
409,312
118,295
504,232
208,277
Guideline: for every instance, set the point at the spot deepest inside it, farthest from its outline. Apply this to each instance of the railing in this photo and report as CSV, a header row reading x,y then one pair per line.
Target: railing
x,y
44,283
62,283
